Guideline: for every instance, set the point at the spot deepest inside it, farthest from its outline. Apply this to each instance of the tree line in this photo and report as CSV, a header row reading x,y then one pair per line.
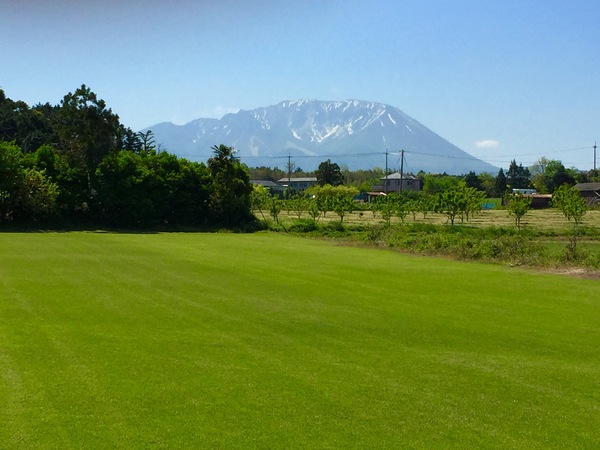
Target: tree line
x,y
76,163
545,176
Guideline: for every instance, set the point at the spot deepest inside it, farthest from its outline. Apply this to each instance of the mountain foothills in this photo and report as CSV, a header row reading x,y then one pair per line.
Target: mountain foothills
x,y
352,133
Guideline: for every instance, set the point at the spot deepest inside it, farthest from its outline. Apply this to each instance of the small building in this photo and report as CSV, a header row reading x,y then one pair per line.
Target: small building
x,y
395,182
297,184
271,186
591,192
524,191
539,201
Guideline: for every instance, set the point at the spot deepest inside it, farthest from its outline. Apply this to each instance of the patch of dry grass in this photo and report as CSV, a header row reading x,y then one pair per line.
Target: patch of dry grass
x,y
545,220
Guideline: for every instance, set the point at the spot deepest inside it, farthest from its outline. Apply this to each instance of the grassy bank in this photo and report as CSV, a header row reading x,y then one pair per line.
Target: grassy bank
x,y
272,341
544,240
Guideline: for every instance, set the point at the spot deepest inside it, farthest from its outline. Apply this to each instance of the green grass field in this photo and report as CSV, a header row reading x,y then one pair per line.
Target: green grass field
x,y
272,341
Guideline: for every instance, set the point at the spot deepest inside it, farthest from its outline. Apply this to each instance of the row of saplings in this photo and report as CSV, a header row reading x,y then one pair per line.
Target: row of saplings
x,y
458,202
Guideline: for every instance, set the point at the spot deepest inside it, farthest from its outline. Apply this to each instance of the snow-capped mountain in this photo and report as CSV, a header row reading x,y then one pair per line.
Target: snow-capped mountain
x,y
352,132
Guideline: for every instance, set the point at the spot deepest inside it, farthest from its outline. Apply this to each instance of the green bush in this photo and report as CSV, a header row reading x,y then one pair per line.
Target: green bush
x,y
303,226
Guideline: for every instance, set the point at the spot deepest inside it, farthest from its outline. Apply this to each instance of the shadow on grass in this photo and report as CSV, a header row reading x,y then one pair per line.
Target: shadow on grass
x,y
63,227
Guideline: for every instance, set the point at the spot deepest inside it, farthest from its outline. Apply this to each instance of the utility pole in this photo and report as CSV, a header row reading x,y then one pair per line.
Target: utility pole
x,y
386,171
594,157
401,169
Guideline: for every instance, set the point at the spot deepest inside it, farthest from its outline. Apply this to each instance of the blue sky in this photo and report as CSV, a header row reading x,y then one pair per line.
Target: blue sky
x,y
500,79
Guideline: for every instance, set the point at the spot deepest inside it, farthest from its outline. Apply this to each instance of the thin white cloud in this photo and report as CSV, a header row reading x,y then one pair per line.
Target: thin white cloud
x,y
487,143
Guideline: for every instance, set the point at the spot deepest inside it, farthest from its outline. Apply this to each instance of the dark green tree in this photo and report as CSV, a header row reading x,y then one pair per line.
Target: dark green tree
x,y
517,176
28,127
500,185
11,178
146,140
25,193
556,175
71,180
434,183
329,173
229,200
87,129
121,198
472,180
139,190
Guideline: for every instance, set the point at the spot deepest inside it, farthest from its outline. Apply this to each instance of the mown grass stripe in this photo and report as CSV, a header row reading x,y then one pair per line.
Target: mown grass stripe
x,y
266,340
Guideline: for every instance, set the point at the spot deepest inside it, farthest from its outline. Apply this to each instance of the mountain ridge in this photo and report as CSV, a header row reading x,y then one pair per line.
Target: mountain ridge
x,y
356,133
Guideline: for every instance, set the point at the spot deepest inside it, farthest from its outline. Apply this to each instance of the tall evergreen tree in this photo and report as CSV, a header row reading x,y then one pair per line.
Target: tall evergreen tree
x,y
329,173
229,201
500,183
472,180
517,176
87,129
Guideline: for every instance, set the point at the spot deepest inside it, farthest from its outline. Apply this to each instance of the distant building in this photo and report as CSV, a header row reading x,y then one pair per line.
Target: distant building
x,y
395,182
297,184
591,192
539,201
524,191
270,185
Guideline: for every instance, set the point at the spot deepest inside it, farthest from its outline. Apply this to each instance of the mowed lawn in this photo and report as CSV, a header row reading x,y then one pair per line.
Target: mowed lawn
x,y
271,341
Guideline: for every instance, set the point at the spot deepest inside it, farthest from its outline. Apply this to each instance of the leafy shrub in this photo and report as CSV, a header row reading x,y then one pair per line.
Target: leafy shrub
x,y
303,226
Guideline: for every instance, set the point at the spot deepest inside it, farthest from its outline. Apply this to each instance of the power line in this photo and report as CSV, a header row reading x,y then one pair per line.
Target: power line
x,y
497,159
544,152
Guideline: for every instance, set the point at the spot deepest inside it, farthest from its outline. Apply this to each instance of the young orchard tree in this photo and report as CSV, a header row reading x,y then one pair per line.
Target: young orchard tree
x,y
574,207
298,203
400,206
324,196
452,202
260,199
339,199
517,205
412,206
343,205
386,206
313,211
426,203
275,205
474,201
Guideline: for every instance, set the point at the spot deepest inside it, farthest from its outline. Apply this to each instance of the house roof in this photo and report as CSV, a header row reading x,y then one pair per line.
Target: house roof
x,y
298,180
588,186
265,183
397,176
